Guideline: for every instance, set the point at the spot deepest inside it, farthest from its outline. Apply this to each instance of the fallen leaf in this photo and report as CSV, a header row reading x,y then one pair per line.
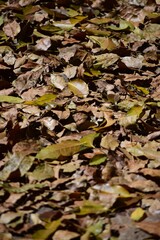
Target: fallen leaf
x,y
79,88
54,151
137,214
10,99
12,29
43,100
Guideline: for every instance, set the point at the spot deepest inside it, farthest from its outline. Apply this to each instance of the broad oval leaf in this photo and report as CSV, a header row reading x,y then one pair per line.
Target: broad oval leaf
x,y
10,99
79,88
43,100
54,151
137,214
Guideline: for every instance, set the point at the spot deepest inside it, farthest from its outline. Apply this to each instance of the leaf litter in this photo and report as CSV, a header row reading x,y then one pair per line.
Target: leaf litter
x,y
79,120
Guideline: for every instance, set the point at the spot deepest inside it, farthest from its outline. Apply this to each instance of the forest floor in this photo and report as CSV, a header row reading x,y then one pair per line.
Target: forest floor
x,y
79,120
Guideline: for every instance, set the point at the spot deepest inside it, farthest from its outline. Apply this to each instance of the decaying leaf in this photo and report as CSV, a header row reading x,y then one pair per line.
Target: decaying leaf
x,y
79,88
12,29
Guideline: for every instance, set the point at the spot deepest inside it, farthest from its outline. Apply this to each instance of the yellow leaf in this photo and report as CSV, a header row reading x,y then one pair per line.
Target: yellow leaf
x,y
137,214
43,100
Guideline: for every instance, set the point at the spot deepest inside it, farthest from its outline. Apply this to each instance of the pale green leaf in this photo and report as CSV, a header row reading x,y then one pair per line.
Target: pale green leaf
x,y
10,99
67,26
54,151
88,139
91,207
1,20
79,88
43,100
123,25
42,172
49,229
24,188
26,164
132,116
97,160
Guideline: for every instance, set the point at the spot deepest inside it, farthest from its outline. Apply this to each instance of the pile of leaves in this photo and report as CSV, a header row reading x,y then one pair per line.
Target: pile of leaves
x,y
79,120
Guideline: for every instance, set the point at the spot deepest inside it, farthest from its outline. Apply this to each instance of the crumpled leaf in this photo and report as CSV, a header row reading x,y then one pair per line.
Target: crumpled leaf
x,y
58,81
149,150
79,88
133,62
109,142
10,99
105,60
12,29
43,44
43,100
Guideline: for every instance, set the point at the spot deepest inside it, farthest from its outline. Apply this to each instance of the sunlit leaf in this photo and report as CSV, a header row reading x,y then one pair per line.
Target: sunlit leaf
x,y
49,229
132,116
43,100
1,20
115,189
72,12
133,62
103,42
77,19
105,60
137,214
42,172
79,88
10,99
11,165
123,25
54,151
95,229
67,26
91,207
58,81
97,160
26,164
88,139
